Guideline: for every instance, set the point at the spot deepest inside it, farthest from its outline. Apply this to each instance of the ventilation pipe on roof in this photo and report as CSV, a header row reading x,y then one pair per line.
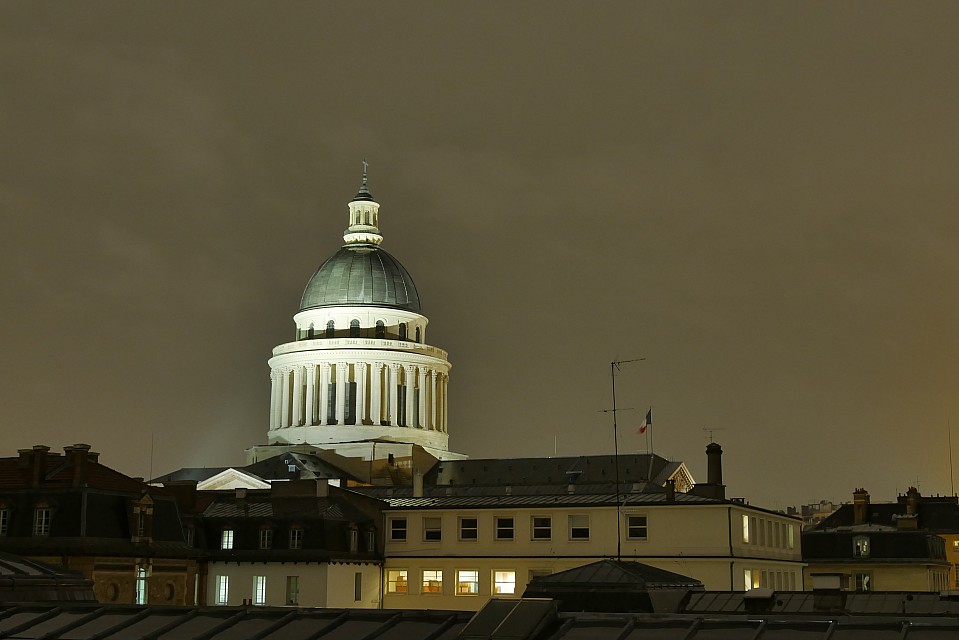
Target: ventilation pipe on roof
x,y
670,491
418,484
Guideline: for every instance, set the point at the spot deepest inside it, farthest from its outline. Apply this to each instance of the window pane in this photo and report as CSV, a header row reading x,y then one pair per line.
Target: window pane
x,y
579,527
467,583
636,527
398,529
504,582
468,528
542,528
397,581
504,528
226,539
432,581
432,529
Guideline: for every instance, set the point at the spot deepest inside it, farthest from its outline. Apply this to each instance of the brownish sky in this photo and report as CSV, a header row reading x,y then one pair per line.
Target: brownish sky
x,y
758,197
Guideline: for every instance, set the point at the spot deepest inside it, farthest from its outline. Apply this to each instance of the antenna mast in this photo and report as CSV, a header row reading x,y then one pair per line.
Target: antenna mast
x,y
613,367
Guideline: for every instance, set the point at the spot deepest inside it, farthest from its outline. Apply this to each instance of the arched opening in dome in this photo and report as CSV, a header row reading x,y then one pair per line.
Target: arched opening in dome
x,y
380,329
402,331
311,332
330,329
354,328
417,334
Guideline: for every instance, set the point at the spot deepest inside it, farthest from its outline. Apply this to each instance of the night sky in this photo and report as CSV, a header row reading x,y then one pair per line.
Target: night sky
x,y
760,198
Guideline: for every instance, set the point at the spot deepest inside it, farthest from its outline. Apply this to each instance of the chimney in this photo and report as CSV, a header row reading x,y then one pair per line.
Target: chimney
x,y
912,501
714,487
714,462
38,457
860,506
418,484
78,455
670,491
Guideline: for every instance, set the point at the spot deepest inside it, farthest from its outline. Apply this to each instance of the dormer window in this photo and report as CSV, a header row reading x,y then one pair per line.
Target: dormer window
x,y
226,539
860,547
41,520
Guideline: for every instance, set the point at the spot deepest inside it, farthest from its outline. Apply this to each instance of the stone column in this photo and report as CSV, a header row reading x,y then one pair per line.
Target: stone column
x,y
324,393
341,393
376,393
285,400
359,370
274,383
445,405
433,399
410,390
297,396
394,384
310,395
422,382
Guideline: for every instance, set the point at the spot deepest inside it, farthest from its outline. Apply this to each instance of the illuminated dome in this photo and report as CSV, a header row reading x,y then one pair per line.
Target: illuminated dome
x,y
361,275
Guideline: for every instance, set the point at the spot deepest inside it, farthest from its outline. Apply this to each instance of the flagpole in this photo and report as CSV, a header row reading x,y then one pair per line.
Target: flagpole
x,y
652,452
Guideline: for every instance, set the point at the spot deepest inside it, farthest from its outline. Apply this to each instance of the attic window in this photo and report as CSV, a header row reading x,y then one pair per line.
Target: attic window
x,y
860,547
41,520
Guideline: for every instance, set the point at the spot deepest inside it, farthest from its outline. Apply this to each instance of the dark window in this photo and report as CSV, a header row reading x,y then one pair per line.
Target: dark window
x,y
311,332
350,417
398,529
354,328
357,586
542,528
636,527
380,329
432,529
331,403
417,334
468,528
504,528
330,329
402,331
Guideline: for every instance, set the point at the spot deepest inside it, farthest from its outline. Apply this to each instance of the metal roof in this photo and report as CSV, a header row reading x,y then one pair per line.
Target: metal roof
x,y
361,275
572,499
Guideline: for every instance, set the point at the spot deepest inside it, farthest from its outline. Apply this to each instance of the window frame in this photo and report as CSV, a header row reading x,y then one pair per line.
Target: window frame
x,y
292,590
259,590
296,538
221,595
432,529
42,519
461,528
398,582
503,532
572,528
472,585
433,584
227,539
395,529
630,527
498,580
266,538
536,530
860,546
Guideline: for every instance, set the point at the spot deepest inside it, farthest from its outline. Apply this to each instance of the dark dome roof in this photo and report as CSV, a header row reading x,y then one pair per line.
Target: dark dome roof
x,y
361,275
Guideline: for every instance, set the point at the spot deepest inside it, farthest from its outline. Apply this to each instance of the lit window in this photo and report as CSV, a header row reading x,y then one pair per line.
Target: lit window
x,y
432,581
468,528
432,529
296,538
748,579
222,589
746,529
467,583
398,529
4,521
41,521
259,589
542,528
504,528
141,586
863,581
791,537
636,527
293,589
860,547
579,527
266,538
504,582
397,581
226,539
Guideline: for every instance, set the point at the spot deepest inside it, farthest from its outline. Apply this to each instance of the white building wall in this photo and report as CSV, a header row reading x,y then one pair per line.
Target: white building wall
x,y
320,584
